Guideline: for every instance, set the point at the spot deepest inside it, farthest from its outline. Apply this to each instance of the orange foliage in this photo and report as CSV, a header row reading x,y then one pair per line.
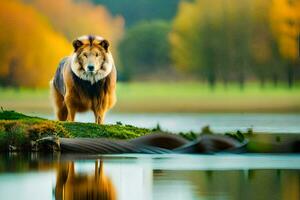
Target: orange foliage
x,y
285,23
80,18
29,48
36,34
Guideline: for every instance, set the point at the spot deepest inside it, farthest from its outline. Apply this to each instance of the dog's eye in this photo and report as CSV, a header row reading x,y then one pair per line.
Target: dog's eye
x,y
97,54
85,55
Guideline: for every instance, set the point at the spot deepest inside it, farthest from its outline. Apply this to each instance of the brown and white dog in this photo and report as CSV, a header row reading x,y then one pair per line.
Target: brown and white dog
x,y
86,80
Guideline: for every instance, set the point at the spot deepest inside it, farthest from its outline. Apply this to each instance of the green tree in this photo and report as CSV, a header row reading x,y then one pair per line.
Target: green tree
x,y
144,51
135,11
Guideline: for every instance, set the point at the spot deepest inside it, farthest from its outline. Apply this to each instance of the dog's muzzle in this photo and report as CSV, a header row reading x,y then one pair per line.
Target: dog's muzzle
x,y
90,68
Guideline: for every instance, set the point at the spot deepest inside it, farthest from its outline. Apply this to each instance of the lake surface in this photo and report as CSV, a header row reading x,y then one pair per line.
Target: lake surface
x,y
158,177
220,123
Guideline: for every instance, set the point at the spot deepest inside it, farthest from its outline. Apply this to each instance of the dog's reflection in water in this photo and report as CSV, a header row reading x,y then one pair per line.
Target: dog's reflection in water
x,y
75,186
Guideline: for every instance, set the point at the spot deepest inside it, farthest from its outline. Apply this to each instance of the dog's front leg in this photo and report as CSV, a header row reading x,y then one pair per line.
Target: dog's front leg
x,y
99,116
71,115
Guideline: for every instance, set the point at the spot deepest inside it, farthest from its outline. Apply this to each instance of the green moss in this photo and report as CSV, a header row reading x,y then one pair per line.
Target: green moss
x,y
189,135
18,131
19,134
92,130
238,135
12,115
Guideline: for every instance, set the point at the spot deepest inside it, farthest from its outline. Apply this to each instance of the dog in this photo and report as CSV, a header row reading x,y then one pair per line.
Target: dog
x,y
85,80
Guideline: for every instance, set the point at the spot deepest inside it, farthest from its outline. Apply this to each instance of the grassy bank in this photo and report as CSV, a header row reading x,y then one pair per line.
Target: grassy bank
x,y
19,132
173,97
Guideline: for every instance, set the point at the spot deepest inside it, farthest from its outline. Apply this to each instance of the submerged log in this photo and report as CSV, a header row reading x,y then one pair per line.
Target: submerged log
x,y
152,144
156,143
23,133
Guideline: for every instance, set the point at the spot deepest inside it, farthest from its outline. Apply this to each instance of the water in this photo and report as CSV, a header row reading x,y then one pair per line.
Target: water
x,y
138,177
160,177
220,123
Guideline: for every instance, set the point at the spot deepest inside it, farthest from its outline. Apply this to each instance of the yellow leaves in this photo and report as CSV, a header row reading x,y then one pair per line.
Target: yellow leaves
x,y
75,18
36,34
288,47
196,27
30,49
187,19
285,23
208,34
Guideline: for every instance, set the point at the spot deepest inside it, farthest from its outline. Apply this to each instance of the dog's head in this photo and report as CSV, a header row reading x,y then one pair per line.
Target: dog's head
x,y
92,60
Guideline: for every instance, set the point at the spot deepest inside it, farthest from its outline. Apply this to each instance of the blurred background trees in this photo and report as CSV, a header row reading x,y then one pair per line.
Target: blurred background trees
x,y
285,24
29,46
233,40
76,18
135,11
36,34
208,40
144,51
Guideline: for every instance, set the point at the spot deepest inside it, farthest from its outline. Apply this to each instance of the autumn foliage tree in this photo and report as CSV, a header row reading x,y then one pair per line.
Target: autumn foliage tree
x,y
75,18
211,39
36,34
236,40
29,48
267,62
285,23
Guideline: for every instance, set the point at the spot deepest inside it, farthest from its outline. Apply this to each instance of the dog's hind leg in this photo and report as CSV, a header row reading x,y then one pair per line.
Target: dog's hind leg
x,y
62,113
59,105
71,111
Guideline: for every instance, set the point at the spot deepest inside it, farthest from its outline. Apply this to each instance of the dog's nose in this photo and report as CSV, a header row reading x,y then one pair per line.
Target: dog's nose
x,y
90,67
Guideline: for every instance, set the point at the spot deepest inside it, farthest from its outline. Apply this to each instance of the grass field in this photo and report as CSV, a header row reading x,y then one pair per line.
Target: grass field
x,y
173,97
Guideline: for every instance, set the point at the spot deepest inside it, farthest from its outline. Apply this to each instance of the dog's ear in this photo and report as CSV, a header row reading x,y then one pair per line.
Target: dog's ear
x,y
104,44
77,44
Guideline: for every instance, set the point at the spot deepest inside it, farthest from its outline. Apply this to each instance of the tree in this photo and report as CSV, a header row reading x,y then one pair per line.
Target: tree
x,y
267,63
29,48
285,23
75,18
144,51
135,11
211,39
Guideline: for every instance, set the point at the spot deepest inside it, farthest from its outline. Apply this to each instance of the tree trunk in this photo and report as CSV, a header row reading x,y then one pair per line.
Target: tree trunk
x,y
290,75
241,80
262,81
275,80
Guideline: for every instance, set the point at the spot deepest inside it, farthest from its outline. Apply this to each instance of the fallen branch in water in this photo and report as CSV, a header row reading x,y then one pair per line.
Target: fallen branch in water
x,y
19,132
